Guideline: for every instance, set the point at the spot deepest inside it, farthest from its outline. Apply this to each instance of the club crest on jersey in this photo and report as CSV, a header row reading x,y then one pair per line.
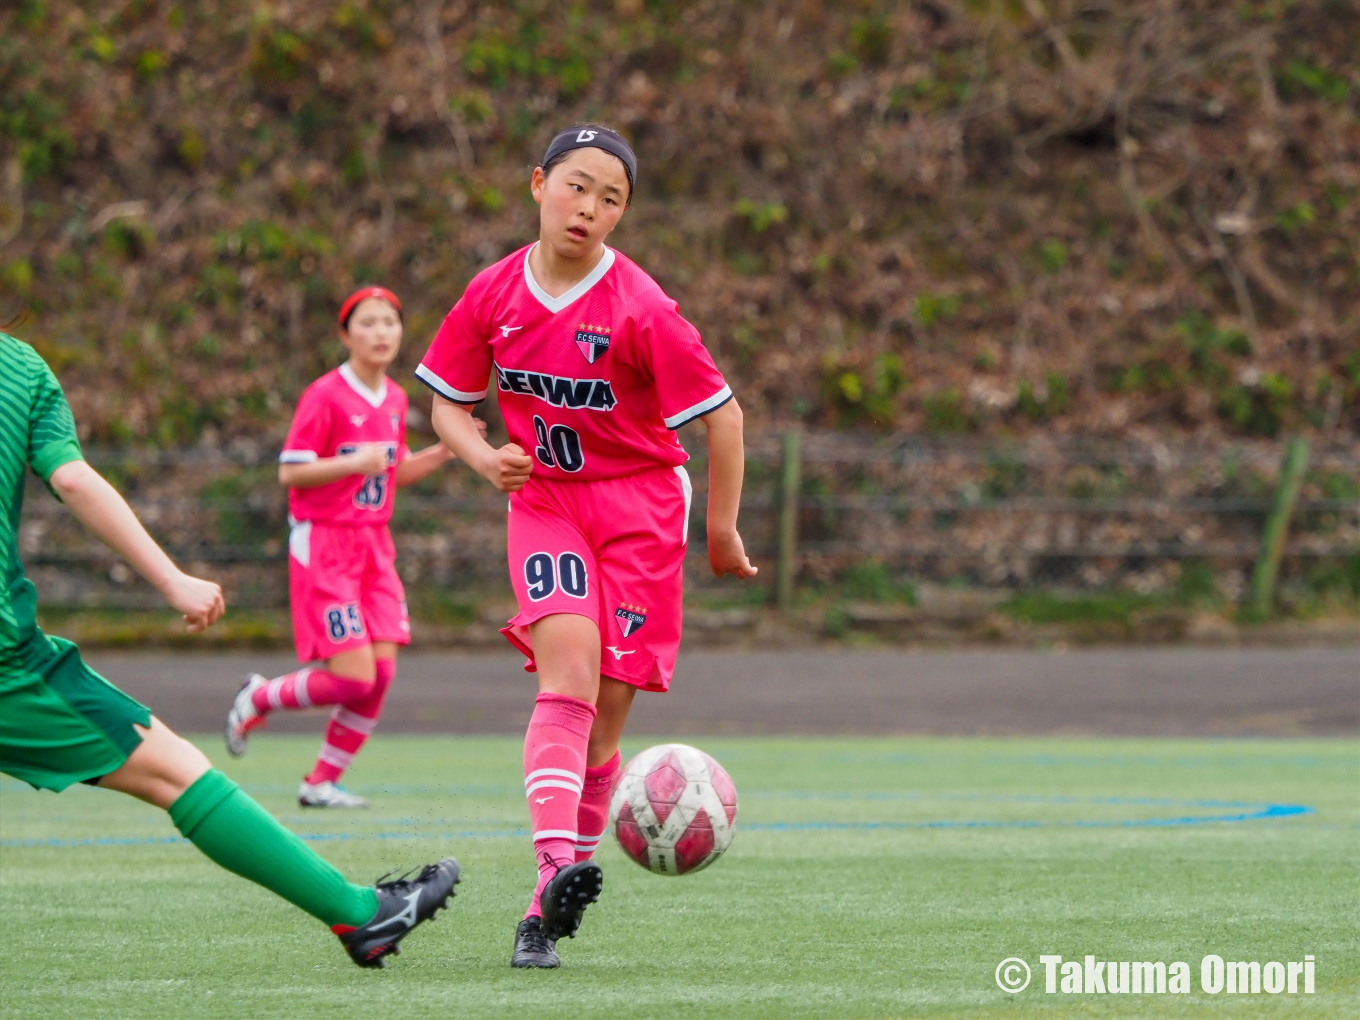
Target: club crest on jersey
x,y
395,419
630,619
592,340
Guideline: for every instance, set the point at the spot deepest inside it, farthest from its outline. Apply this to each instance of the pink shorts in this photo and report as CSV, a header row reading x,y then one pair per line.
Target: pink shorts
x,y
344,589
612,551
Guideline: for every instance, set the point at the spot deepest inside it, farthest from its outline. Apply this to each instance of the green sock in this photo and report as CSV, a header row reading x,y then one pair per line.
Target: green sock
x,y
235,832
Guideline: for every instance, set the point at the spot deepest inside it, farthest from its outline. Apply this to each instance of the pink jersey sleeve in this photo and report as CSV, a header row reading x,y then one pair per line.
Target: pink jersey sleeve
x,y
458,364
311,428
688,384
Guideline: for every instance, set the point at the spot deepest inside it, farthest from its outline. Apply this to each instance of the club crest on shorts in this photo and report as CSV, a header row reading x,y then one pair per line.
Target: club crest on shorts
x,y
592,340
630,619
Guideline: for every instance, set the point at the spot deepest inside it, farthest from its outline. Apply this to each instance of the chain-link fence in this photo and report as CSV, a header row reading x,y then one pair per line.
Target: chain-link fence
x,y
1032,513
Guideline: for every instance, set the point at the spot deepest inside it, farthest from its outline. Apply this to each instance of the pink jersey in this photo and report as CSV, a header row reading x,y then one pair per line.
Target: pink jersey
x,y
592,383
336,414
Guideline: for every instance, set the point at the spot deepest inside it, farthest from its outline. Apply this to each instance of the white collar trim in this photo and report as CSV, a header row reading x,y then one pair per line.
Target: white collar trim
x,y
374,397
556,304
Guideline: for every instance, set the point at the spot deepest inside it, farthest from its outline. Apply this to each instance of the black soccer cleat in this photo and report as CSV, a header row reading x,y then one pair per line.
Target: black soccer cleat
x,y
403,903
532,947
565,898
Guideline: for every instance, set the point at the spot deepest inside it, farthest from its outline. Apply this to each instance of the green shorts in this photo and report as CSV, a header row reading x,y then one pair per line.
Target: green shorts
x,y
60,721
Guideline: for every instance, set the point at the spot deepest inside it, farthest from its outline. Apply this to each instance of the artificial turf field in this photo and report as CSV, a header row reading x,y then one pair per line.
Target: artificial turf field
x,y
870,877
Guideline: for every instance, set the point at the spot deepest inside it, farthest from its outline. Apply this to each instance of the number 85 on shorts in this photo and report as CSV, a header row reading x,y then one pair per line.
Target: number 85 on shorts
x,y
344,621
545,574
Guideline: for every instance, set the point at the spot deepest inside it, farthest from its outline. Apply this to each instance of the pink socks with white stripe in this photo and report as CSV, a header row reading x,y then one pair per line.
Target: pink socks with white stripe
x,y
554,772
350,726
309,686
592,817
358,703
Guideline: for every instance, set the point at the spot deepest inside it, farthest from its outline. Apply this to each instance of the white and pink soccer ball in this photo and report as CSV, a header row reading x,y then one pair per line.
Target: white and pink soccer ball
x,y
674,809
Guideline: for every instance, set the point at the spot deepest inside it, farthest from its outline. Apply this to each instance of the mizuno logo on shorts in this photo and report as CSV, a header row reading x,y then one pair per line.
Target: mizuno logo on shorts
x,y
581,394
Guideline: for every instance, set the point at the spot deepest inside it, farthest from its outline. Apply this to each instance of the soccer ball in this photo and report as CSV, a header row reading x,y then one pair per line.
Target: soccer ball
x,y
674,809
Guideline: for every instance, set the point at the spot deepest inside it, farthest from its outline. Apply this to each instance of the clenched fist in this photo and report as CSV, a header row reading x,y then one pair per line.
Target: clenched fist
x,y
507,468
200,601
370,459
727,555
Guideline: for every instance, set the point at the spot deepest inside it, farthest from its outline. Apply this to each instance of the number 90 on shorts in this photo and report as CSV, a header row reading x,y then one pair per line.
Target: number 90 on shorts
x,y
544,574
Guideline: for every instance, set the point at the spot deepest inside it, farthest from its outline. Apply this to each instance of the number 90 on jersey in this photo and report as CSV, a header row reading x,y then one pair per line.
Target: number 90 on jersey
x,y
558,446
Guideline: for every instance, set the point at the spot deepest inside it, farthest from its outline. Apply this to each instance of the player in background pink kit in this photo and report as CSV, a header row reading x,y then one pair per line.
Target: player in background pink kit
x,y
595,370
343,460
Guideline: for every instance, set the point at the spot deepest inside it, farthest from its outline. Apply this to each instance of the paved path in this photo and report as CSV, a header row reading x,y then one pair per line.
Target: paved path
x,y
1175,691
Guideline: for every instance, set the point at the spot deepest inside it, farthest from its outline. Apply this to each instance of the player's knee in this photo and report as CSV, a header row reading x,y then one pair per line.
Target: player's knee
x,y
580,669
164,766
576,678
180,763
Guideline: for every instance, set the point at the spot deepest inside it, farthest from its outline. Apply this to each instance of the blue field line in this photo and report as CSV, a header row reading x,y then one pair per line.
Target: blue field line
x,y
401,789
392,789
1066,760
310,837
1252,812
1265,811
500,790
995,798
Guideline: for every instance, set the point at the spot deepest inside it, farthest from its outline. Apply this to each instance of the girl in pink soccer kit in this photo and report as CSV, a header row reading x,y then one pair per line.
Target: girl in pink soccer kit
x,y
344,457
595,370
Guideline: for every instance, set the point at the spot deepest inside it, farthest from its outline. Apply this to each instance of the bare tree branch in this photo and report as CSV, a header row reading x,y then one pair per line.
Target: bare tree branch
x,y
1230,269
12,209
439,95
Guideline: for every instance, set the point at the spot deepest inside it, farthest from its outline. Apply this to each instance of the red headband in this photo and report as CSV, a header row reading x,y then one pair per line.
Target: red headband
x,y
364,294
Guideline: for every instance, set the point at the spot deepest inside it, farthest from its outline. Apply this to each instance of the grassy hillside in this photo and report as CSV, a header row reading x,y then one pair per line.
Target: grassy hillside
x,y
951,216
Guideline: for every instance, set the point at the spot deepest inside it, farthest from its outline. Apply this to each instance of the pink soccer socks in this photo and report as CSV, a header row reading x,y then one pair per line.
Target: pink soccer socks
x,y
307,687
358,703
592,817
554,772
351,724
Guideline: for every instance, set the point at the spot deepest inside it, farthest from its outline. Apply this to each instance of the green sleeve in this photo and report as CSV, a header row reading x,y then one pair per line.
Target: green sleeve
x,y
52,438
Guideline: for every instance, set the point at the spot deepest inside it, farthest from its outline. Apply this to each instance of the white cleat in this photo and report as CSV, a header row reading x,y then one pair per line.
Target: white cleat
x,y
328,794
244,716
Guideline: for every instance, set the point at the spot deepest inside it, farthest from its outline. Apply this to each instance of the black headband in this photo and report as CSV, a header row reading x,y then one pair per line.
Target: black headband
x,y
591,136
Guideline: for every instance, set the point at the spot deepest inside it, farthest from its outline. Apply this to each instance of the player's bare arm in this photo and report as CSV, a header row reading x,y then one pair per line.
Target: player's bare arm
x,y
507,468
726,468
424,463
98,506
369,459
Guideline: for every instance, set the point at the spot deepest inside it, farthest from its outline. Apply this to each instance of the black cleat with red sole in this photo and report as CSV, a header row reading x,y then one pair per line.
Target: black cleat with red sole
x,y
403,903
566,896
